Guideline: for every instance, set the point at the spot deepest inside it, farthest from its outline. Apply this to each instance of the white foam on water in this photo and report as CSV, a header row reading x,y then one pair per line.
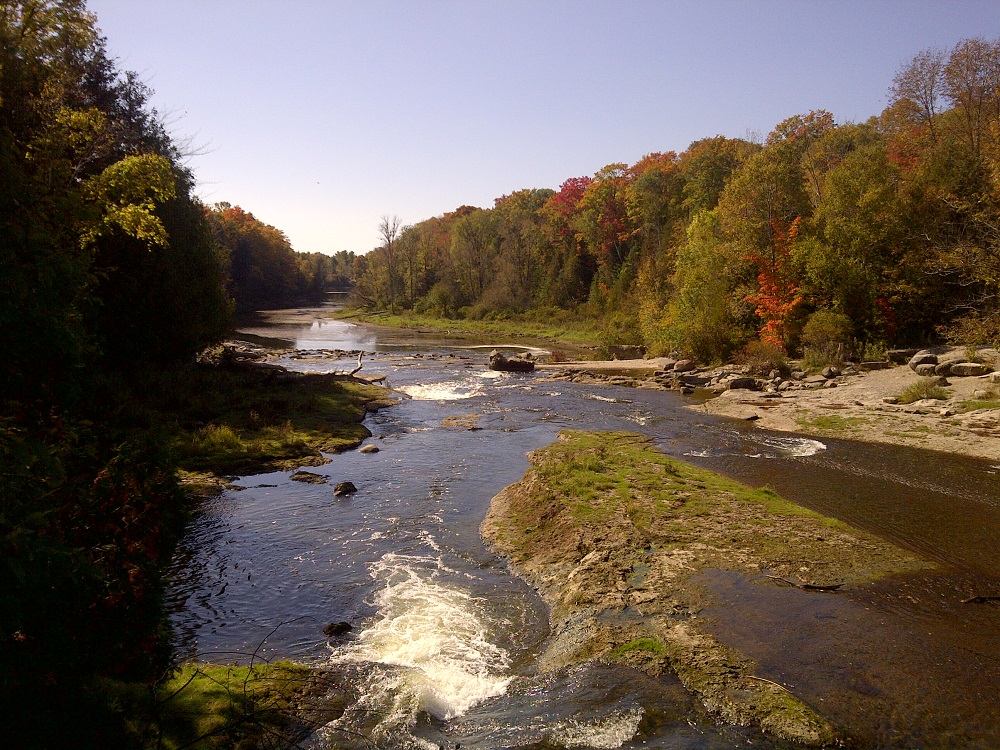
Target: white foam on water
x,y
595,397
451,390
610,732
430,645
791,446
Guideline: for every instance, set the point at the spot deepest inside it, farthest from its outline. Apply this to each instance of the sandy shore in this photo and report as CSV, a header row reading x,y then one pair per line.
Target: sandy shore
x,y
856,407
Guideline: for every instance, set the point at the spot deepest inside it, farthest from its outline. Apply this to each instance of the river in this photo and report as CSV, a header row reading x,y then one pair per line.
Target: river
x,y
444,642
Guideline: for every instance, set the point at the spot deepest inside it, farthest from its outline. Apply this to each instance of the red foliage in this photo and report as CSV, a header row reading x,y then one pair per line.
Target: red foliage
x,y
777,291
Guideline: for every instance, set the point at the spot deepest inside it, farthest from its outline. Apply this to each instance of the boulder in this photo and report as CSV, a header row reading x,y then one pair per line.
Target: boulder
x,y
831,372
684,365
970,369
369,448
344,488
517,363
922,358
744,384
926,368
943,369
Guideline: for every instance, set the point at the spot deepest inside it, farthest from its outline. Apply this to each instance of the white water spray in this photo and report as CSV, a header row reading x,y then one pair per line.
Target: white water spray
x,y
430,644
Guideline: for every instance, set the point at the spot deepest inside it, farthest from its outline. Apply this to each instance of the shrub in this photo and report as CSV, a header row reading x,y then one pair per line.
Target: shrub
x,y
826,337
924,388
761,357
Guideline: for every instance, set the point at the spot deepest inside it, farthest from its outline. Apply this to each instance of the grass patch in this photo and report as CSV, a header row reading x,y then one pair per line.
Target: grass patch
x,y
609,476
975,405
248,421
923,389
650,645
209,706
830,422
561,327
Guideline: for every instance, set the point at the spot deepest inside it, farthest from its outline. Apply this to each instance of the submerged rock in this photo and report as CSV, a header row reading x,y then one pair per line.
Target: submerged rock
x,y
308,476
337,629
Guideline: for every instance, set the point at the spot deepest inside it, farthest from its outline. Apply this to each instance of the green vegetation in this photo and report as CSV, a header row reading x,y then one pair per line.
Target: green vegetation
x,y
925,388
248,421
832,238
605,475
264,271
549,324
830,422
209,706
114,278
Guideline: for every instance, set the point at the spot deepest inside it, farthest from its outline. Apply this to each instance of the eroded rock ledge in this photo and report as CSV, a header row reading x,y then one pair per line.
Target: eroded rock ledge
x,y
611,531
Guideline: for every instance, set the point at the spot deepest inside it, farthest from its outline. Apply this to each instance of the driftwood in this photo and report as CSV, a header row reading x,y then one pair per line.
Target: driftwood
x,y
358,368
806,586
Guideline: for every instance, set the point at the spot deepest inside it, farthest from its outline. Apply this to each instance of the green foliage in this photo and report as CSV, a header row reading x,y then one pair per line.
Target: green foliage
x,y
827,339
209,706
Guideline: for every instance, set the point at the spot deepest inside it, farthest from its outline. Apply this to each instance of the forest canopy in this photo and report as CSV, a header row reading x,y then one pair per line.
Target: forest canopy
x,y
890,226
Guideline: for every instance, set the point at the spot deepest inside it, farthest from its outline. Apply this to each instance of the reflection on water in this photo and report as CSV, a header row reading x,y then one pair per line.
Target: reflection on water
x,y
445,638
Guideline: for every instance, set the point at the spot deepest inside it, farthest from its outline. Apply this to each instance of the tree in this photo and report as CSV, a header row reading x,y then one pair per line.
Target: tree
x,y
389,229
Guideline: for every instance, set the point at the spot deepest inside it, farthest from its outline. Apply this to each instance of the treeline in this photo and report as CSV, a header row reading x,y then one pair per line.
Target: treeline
x,y
110,270
264,271
879,232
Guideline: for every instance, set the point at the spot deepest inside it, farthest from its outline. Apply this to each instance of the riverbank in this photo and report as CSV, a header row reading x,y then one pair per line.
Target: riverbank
x,y
612,532
864,405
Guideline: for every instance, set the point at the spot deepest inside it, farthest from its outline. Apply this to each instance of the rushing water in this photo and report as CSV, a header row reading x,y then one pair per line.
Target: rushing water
x,y
445,638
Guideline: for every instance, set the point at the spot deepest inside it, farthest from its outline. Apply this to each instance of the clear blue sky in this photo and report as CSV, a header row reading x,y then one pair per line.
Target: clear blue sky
x,y
320,116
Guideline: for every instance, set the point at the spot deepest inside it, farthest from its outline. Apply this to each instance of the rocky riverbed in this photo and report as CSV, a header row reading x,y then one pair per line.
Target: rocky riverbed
x,y
858,402
613,533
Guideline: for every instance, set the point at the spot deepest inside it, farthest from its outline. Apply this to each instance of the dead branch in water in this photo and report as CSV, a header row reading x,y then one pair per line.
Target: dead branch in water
x,y
806,586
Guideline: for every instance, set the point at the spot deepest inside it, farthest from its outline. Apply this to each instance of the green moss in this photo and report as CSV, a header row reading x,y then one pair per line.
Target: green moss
x,y
211,706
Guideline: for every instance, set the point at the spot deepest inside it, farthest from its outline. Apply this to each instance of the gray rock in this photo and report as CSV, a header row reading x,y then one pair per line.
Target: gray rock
x,y
798,375
684,365
926,369
744,384
874,365
831,372
922,358
943,369
369,448
970,369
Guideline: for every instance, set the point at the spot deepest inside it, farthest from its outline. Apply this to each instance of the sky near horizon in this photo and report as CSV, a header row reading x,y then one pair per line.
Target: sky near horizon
x,y
320,116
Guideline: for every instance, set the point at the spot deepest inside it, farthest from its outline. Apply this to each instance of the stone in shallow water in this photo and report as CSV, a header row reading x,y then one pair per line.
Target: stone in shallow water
x,y
308,476
344,488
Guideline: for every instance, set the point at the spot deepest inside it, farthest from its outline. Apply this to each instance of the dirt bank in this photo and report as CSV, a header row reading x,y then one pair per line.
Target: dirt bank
x,y
858,405
611,531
